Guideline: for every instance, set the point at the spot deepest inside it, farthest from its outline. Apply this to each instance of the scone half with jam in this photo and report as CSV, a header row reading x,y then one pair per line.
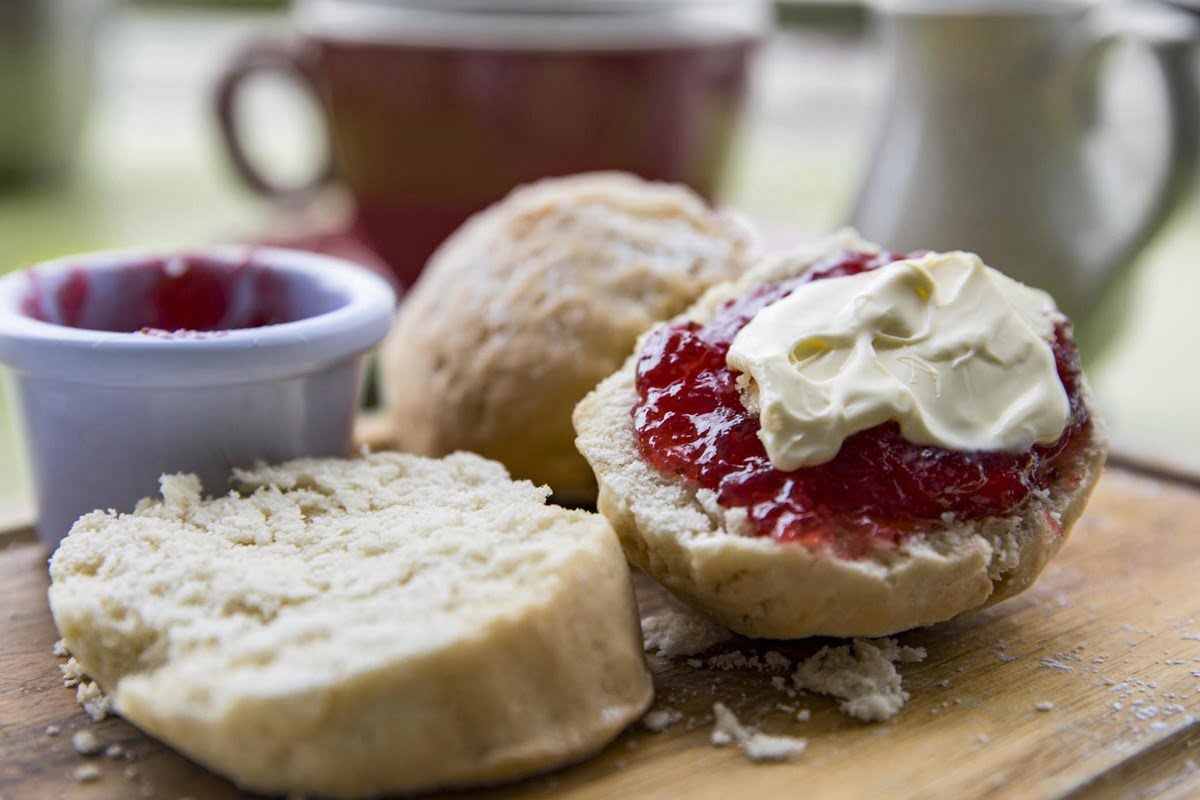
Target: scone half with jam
x,y
847,442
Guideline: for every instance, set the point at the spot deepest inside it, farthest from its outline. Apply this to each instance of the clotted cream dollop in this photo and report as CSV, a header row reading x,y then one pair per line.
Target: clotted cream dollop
x,y
954,351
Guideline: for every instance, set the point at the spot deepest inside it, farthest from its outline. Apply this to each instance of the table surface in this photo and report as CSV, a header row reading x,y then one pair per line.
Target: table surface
x,y
151,172
1110,636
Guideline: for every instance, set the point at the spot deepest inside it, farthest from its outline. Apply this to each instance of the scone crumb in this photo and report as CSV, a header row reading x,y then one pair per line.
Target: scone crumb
x,y
727,727
736,659
88,693
72,672
114,751
52,730
86,743
803,715
93,699
86,773
862,675
776,660
681,633
755,745
763,747
1045,705
660,719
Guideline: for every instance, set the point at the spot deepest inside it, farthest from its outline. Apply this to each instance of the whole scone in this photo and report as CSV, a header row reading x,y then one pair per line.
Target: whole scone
x,y
707,556
531,303
360,627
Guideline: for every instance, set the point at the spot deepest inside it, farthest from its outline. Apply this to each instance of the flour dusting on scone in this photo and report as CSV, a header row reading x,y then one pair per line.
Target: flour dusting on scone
x,y
847,442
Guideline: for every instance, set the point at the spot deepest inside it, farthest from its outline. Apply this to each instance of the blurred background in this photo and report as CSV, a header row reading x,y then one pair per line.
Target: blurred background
x,y
1058,142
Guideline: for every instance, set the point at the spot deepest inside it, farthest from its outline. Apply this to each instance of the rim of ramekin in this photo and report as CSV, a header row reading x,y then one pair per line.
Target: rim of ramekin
x,y
288,349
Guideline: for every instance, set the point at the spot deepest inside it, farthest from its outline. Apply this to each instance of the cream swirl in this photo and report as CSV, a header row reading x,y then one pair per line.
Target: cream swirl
x,y
955,352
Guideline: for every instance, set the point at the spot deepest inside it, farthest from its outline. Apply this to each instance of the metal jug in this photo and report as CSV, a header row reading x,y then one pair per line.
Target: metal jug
x,y
992,140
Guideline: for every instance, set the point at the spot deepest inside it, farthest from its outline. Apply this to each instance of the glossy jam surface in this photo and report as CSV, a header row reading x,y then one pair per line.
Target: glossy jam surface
x,y
180,295
879,490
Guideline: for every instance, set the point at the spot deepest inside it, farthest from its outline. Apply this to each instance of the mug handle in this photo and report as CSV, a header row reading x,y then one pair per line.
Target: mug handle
x,y
1171,37
285,58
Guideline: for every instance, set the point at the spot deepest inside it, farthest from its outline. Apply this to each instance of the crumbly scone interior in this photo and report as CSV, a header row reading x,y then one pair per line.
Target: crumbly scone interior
x,y
275,619
361,626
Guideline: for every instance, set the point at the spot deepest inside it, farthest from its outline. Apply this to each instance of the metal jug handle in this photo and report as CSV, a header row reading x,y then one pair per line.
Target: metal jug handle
x,y
1170,37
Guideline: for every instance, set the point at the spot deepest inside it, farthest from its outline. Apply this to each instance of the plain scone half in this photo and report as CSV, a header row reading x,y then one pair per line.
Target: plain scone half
x,y
760,587
358,627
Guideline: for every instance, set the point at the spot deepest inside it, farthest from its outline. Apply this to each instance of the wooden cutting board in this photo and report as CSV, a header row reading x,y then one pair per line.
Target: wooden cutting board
x,y
1110,636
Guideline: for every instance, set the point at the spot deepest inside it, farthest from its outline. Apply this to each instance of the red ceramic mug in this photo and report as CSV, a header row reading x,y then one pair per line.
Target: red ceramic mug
x,y
436,108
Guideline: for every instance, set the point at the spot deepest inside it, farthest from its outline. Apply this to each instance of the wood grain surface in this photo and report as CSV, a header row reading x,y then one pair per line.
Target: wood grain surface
x,y
1110,636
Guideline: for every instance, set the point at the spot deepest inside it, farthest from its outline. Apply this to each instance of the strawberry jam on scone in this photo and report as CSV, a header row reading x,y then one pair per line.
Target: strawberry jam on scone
x,y
847,442
879,489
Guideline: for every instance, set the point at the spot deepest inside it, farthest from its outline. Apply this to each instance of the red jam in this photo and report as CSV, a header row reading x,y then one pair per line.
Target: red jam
x,y
185,294
878,491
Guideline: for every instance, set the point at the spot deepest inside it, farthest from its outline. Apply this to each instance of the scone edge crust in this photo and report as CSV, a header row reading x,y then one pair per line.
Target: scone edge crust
x,y
763,588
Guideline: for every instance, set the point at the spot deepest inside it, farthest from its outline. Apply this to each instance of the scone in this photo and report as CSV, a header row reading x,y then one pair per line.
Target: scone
x,y
358,627
804,497
531,303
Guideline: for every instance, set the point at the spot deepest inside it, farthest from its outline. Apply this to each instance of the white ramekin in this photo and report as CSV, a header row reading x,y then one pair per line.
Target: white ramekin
x,y
105,414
